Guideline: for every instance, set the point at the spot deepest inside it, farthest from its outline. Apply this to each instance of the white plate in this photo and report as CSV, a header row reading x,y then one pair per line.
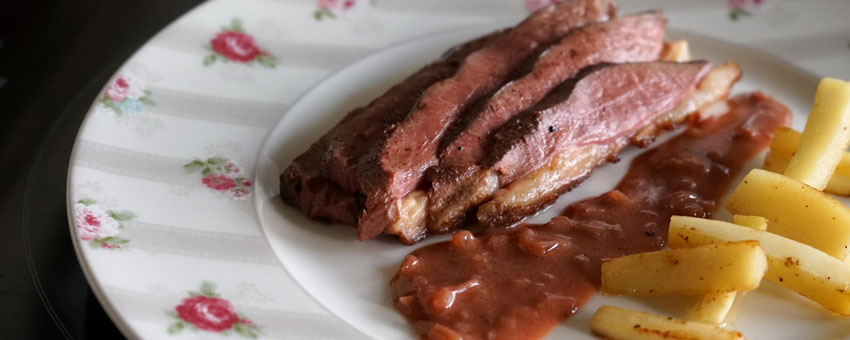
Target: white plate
x,y
351,278
132,148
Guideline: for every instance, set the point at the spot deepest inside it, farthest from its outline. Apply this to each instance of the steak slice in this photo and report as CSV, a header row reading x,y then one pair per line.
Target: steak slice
x,y
633,38
395,165
609,103
306,182
535,191
354,137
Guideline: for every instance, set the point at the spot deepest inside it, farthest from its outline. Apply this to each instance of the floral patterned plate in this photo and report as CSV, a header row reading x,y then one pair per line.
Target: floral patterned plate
x,y
162,188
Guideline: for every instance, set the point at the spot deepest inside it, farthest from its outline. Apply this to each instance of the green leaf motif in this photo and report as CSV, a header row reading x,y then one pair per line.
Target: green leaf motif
x,y
245,331
266,61
172,314
123,215
206,172
236,25
110,240
216,160
208,289
175,327
147,101
321,13
194,166
87,201
110,104
210,59
737,14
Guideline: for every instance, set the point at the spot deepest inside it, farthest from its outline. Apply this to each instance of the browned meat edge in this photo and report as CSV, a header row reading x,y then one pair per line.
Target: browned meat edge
x,y
532,193
395,164
605,105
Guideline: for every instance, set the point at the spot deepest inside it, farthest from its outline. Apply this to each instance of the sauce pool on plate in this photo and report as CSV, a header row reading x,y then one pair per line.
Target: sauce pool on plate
x,y
521,282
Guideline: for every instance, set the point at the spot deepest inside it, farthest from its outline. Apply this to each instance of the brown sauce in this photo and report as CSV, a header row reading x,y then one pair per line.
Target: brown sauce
x,y
520,283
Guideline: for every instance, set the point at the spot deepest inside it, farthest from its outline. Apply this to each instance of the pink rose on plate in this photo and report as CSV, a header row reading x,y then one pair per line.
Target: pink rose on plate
x,y
124,87
219,182
236,46
208,313
534,5
244,190
93,222
337,5
232,170
745,4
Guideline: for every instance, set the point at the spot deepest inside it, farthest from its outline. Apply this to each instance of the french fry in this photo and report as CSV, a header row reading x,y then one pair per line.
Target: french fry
x,y
755,222
794,265
795,210
677,51
715,268
826,136
783,147
616,323
713,308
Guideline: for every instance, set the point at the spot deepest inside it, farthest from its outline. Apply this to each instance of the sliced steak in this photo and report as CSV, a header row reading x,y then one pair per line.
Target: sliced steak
x,y
354,136
307,184
609,103
395,164
303,186
535,191
632,38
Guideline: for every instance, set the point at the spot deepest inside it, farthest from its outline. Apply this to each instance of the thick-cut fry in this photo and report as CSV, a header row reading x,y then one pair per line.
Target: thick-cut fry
x,y
755,222
826,136
716,268
783,147
798,267
622,324
713,308
677,51
795,210
838,184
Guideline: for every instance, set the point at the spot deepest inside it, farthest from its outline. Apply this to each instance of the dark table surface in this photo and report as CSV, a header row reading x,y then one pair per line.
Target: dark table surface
x,y
54,58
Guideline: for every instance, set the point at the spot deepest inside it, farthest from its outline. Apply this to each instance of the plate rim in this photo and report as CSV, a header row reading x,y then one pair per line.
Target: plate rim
x,y
94,284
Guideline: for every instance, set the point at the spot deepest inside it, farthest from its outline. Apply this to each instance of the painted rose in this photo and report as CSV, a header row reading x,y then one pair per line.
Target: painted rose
x,y
219,182
234,44
124,87
333,9
126,95
208,313
744,8
206,310
223,175
745,4
336,5
534,5
93,222
241,191
232,170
